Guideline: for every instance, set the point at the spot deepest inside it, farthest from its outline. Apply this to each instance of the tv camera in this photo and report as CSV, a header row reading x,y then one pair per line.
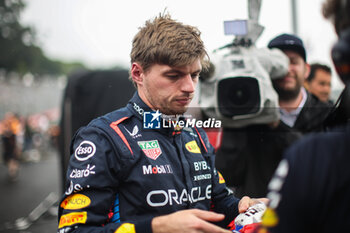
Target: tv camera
x,y
239,91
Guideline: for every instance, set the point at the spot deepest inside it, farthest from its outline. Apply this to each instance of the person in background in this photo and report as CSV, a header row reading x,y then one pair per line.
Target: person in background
x,y
123,177
299,109
310,189
318,82
11,127
249,156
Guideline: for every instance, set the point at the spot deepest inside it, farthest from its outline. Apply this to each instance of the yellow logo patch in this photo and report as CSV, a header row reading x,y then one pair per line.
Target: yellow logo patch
x,y
270,218
193,147
221,179
76,201
72,218
126,228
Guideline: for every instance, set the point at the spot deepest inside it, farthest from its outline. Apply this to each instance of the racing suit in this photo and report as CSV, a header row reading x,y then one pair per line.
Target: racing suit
x,y
121,175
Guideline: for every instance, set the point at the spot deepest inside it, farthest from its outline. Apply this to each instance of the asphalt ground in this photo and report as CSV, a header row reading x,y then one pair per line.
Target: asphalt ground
x,y
37,180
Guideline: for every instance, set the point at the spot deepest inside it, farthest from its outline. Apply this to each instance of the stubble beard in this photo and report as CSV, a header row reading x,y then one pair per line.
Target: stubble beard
x,y
167,109
287,94
171,111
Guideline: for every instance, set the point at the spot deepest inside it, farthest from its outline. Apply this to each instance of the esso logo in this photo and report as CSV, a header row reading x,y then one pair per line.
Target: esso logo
x,y
85,150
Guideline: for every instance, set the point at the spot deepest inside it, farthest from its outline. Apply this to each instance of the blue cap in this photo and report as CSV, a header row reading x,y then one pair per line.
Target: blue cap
x,y
288,42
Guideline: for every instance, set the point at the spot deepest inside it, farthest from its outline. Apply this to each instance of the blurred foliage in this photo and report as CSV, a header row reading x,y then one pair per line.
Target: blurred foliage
x,y
18,50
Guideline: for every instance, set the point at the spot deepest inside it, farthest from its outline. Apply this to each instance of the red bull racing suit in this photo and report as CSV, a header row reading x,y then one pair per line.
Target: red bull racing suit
x,y
121,175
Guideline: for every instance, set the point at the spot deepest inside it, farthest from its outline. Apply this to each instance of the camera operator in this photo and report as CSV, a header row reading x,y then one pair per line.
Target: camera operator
x,y
299,109
248,156
310,189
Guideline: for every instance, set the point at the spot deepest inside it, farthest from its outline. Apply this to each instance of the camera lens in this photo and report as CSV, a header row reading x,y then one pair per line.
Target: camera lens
x,y
238,96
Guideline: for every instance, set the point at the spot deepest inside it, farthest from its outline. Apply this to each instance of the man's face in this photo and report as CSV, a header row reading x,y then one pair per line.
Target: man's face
x,y
169,89
320,85
288,88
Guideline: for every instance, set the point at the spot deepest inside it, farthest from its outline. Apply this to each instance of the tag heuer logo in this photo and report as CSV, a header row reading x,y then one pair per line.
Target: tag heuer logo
x,y
151,148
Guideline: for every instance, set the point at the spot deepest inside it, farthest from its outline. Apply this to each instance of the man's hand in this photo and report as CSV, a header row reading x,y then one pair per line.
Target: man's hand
x,y
186,221
246,202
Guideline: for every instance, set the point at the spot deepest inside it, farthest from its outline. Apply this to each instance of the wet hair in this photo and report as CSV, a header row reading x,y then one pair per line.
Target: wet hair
x,y
316,66
168,42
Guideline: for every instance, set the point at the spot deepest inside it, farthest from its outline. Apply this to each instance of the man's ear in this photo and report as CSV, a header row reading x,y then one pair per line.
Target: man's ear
x,y
137,73
307,71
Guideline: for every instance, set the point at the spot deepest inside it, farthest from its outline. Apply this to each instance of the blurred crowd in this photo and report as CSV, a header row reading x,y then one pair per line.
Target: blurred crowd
x,y
26,138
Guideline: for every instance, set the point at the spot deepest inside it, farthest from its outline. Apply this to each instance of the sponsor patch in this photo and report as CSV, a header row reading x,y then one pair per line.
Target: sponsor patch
x,y
75,201
193,147
65,230
138,109
85,150
74,188
135,132
201,165
76,173
270,218
202,177
157,169
72,218
221,179
150,148
158,198
126,228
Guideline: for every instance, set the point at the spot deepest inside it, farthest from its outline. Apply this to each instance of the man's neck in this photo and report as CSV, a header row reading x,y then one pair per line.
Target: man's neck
x,y
291,105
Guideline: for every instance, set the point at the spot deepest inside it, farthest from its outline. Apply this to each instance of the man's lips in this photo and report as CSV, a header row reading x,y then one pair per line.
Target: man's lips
x,y
183,101
287,79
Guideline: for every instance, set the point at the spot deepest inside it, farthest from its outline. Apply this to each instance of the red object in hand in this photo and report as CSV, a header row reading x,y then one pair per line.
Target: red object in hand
x,y
250,228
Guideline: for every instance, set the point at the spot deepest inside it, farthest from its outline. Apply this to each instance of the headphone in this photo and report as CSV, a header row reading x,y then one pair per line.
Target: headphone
x,y
340,114
341,55
341,50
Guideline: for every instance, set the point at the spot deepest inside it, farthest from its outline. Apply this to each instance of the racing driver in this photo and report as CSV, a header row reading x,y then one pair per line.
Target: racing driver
x,y
123,176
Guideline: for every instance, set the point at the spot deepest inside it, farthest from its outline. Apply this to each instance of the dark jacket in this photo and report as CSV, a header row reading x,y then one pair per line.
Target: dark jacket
x,y
121,175
310,190
249,156
312,116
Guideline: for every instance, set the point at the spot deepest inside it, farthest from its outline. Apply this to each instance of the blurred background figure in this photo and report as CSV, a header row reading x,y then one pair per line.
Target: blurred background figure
x,y
28,135
89,94
248,155
299,109
318,82
10,131
310,189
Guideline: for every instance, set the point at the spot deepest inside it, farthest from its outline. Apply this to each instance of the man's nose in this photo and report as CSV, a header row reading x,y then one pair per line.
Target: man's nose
x,y
188,84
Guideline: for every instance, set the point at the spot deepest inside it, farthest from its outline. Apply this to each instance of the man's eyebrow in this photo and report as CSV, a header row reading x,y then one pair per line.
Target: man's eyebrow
x,y
174,70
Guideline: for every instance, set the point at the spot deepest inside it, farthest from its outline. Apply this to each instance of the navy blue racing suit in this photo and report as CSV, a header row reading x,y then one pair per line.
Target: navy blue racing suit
x,y
310,189
121,175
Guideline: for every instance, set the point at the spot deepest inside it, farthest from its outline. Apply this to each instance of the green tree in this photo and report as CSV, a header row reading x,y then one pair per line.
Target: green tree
x,y
18,49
